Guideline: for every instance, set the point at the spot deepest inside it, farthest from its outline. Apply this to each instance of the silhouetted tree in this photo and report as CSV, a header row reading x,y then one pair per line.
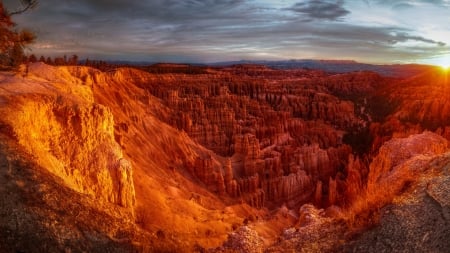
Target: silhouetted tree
x,y
73,60
42,58
59,61
32,58
12,41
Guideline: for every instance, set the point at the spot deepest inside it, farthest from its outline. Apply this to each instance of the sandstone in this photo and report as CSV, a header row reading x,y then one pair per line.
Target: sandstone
x,y
309,214
75,141
397,151
210,150
272,134
418,219
244,239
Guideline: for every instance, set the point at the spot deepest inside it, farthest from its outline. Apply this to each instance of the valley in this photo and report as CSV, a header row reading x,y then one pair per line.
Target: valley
x,y
239,158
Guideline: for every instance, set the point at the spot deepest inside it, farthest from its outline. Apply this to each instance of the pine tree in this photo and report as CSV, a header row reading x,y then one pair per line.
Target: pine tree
x,y
32,58
12,41
73,60
49,61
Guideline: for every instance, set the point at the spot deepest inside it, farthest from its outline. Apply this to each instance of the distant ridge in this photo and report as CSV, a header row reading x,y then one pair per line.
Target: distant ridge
x,y
339,66
332,66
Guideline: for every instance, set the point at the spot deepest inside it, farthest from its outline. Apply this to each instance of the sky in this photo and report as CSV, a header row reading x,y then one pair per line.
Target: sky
x,y
372,31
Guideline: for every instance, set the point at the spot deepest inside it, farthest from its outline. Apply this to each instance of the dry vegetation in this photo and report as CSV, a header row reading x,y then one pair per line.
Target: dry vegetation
x,y
399,164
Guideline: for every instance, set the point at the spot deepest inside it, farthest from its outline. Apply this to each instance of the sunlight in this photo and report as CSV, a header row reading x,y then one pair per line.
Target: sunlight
x,y
443,62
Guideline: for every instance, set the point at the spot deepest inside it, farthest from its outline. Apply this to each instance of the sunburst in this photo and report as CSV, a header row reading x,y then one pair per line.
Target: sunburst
x,y
443,62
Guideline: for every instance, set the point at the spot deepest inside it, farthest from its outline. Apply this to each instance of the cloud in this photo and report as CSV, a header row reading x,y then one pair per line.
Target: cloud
x,y
407,4
402,37
215,30
402,6
321,9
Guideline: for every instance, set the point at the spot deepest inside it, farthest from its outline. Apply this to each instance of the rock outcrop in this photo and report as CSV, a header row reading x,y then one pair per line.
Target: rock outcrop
x,y
284,135
408,184
72,137
397,151
213,151
244,239
414,171
40,213
412,106
399,163
98,136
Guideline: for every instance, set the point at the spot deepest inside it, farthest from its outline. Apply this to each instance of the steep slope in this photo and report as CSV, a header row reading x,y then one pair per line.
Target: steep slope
x,y
169,197
283,130
424,99
69,135
240,157
40,213
56,115
411,106
417,183
406,202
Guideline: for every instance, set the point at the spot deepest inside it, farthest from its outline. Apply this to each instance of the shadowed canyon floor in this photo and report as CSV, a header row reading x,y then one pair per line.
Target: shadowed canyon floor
x,y
231,159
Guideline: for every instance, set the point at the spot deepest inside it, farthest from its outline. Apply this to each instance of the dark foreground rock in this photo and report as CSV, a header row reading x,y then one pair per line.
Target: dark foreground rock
x,y
418,221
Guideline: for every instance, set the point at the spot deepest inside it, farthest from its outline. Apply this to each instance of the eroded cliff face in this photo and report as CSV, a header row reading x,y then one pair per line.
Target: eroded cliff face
x,y
284,136
70,135
77,142
411,106
402,203
39,213
101,135
240,148
282,130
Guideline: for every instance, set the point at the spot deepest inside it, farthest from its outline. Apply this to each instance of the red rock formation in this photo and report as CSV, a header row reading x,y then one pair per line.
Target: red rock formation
x,y
332,192
284,135
318,193
73,138
180,147
412,106
230,183
354,181
397,151
284,132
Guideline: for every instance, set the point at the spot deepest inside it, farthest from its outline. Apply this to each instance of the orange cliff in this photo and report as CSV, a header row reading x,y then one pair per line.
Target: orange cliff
x,y
100,137
402,203
282,131
69,134
174,158
411,106
183,160
273,129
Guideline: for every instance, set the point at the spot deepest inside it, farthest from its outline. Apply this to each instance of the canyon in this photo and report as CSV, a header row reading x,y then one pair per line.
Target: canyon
x,y
240,158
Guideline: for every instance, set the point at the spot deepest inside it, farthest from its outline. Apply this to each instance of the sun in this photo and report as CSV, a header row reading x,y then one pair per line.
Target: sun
x,y
443,61
445,67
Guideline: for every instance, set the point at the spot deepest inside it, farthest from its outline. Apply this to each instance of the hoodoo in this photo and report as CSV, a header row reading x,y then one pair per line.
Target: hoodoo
x,y
213,160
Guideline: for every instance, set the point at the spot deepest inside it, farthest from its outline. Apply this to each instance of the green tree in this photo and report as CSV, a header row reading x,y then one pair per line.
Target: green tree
x,y
12,40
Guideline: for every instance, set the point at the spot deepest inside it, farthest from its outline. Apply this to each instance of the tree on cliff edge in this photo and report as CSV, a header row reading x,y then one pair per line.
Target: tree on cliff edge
x,y
13,41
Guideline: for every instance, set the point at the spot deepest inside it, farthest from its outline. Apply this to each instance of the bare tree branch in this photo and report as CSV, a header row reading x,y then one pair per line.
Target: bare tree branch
x,y
27,4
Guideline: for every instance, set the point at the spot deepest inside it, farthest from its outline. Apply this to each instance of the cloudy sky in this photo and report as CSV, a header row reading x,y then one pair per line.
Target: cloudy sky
x,y
374,31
